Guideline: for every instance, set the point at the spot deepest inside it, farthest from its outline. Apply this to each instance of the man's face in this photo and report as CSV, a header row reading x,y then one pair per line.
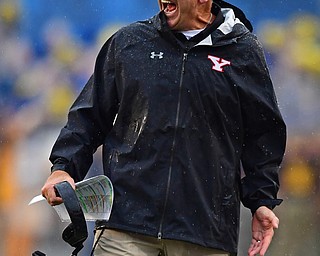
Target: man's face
x,y
181,14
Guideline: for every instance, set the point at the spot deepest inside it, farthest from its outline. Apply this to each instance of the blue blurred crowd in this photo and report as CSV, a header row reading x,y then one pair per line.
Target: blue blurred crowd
x,y
47,53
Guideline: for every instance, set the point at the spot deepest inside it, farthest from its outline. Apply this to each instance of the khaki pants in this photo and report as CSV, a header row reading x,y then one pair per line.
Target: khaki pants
x,y
117,243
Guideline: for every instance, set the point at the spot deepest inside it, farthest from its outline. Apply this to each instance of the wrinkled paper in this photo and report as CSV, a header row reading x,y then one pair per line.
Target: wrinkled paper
x,y
95,196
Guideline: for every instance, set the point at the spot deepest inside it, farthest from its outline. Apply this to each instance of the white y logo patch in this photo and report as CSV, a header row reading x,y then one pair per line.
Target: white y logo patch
x,y
218,63
158,55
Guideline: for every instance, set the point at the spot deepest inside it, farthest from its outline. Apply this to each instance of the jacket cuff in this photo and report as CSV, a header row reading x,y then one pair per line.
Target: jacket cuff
x,y
63,165
59,167
270,203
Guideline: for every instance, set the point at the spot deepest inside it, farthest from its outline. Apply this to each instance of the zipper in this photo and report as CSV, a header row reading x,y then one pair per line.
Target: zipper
x,y
184,59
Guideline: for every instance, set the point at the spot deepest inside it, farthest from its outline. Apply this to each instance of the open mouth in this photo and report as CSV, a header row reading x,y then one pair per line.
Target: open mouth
x,y
168,6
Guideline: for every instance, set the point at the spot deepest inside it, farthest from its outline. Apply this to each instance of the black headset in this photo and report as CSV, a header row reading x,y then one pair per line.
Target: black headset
x,y
76,232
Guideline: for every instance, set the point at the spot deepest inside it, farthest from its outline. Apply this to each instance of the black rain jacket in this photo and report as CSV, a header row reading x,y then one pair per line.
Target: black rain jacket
x,y
178,120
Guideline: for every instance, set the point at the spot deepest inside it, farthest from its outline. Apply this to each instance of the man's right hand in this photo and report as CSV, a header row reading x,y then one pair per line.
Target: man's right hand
x,y
48,190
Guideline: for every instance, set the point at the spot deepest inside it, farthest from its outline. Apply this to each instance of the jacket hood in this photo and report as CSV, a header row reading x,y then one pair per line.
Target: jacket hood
x,y
228,30
238,13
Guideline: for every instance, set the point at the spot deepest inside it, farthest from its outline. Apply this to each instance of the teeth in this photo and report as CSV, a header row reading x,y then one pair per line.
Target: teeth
x,y
165,2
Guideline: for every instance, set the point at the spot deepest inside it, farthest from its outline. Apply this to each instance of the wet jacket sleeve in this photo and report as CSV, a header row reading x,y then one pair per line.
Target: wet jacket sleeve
x,y
90,119
264,137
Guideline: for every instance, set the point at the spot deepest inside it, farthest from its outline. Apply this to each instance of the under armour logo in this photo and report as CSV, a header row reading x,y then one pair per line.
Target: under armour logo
x,y
158,55
218,63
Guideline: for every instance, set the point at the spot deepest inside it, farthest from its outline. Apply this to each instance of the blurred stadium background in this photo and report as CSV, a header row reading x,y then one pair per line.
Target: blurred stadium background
x,y
47,52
